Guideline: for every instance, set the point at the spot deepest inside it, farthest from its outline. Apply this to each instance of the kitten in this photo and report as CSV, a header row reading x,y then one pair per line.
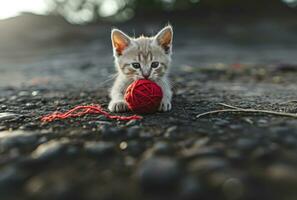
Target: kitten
x,y
141,58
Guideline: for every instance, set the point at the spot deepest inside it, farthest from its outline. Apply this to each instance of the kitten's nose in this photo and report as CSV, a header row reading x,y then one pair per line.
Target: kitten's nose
x,y
145,73
145,76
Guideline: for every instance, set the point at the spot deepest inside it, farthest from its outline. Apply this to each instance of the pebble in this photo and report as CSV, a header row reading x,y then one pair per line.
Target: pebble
x,y
7,116
10,139
234,155
112,132
159,174
3,107
24,93
133,132
190,189
99,148
163,148
246,144
9,177
170,132
282,173
207,164
290,141
48,150
280,131
123,145
196,152
221,122
135,148
233,188
146,135
236,126
35,93
30,106
29,126
52,186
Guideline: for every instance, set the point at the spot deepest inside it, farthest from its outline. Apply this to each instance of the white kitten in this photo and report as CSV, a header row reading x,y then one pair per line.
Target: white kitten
x,y
141,58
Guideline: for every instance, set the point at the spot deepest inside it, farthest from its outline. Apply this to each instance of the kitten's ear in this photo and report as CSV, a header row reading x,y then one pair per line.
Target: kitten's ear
x,y
120,41
164,38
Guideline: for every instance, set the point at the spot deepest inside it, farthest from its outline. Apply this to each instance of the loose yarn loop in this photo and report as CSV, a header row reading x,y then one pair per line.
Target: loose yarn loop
x,y
79,111
143,96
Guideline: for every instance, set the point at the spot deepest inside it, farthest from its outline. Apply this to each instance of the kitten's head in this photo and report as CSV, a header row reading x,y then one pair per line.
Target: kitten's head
x,y
143,57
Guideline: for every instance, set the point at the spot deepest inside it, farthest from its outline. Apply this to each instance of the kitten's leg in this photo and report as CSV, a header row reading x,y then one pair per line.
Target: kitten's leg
x,y
167,95
117,103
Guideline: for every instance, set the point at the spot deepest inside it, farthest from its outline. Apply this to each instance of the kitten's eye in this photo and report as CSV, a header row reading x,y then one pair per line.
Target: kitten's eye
x,y
155,64
136,65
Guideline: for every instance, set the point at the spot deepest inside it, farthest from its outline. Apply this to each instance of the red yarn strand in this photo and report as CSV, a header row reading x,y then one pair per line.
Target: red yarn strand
x,y
79,111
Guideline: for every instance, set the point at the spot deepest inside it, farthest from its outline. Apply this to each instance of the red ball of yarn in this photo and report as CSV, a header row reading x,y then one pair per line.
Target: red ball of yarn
x,y
143,96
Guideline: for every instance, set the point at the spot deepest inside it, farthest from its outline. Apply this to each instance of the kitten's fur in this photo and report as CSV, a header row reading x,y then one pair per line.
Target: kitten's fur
x,y
144,51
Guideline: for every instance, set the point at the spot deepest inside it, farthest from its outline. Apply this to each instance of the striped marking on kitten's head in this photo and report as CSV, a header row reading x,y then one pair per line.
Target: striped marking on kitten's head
x,y
143,57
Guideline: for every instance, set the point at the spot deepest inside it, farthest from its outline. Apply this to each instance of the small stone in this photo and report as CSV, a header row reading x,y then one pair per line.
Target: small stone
x,y
35,93
30,106
133,132
10,139
130,161
48,150
234,155
9,177
282,174
123,145
112,132
206,151
159,174
3,107
190,189
246,144
29,126
290,141
163,148
235,126
23,94
221,122
233,188
265,153
146,135
99,148
7,116
281,131
170,131
72,150
42,140
52,186
135,148
207,164
262,121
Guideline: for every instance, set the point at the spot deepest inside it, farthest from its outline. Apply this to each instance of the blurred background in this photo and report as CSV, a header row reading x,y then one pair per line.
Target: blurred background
x,y
61,42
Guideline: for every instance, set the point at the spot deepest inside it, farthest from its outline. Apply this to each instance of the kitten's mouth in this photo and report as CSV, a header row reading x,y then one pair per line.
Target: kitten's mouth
x,y
141,77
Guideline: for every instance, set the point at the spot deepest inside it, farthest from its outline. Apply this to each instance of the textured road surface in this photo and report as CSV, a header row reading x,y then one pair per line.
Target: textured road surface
x,y
171,155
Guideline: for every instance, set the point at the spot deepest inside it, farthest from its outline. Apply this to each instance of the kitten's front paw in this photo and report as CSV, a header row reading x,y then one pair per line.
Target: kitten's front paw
x,y
118,106
165,106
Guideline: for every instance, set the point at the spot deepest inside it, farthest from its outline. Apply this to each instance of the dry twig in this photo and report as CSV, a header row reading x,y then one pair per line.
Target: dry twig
x,y
235,109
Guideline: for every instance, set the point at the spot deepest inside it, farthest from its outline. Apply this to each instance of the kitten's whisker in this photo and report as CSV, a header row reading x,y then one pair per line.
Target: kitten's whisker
x,y
110,78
